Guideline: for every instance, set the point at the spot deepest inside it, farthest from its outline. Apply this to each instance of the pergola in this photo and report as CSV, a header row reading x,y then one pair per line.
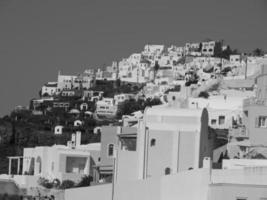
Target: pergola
x,y
18,158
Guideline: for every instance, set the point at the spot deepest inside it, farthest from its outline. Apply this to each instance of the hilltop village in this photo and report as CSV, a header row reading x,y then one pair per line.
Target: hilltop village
x,y
155,125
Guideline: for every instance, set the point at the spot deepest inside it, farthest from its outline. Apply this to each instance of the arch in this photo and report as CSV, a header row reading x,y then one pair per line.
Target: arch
x,y
111,150
39,164
31,167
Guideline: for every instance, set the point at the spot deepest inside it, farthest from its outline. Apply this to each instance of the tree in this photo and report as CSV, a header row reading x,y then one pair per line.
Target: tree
x,y
227,52
258,52
156,69
218,49
200,47
118,83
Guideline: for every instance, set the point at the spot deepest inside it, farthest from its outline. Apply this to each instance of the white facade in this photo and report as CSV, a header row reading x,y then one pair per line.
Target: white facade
x,y
208,48
49,89
58,161
153,49
66,82
120,98
106,107
235,59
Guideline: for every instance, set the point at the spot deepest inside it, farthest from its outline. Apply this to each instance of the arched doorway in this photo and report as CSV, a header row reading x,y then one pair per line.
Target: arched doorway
x,y
38,165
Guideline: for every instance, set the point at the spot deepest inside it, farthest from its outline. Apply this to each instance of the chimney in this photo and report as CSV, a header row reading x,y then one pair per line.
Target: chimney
x,y
207,163
119,130
73,140
69,144
78,138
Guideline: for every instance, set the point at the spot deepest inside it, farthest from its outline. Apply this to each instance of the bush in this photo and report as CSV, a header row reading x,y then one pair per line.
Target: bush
x,y
204,94
85,181
45,183
67,184
56,183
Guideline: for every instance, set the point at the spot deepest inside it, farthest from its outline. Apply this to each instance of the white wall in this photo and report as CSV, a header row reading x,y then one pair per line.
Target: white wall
x,y
232,192
187,185
127,167
148,189
99,192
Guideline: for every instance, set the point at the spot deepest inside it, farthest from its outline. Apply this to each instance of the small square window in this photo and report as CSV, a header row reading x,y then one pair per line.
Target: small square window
x,y
221,120
213,121
153,142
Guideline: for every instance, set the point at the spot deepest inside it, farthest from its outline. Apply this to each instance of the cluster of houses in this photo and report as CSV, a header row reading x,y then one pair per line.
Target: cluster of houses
x,y
190,147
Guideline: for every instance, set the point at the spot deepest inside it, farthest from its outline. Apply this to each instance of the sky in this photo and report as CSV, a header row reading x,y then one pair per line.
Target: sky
x,y
40,37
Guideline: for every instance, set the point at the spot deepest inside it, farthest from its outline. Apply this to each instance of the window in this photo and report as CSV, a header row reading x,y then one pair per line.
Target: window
x,y
167,170
75,164
153,142
128,144
261,122
221,120
213,121
110,150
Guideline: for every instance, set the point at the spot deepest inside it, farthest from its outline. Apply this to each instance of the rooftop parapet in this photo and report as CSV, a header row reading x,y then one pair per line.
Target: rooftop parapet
x,y
254,101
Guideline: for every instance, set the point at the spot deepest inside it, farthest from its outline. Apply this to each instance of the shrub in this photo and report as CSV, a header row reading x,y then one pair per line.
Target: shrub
x,y
56,183
85,181
67,184
204,94
45,183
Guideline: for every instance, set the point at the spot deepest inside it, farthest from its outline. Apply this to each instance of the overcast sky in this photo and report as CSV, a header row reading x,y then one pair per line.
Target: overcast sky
x,y
38,38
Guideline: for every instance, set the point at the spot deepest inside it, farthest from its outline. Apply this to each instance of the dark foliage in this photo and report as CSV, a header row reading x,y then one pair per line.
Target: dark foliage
x,y
258,52
204,94
130,106
66,184
85,181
